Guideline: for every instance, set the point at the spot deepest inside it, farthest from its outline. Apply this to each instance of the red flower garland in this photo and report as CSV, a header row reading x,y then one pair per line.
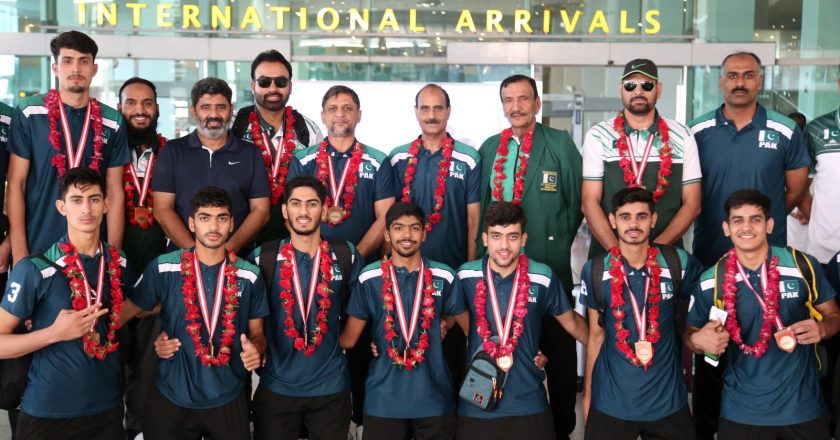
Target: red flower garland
x,y
415,355
496,350
665,156
323,175
52,102
287,298
519,175
278,183
771,301
442,173
189,290
652,334
128,188
73,270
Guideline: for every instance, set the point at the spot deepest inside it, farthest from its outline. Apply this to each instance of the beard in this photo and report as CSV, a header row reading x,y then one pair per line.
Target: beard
x,y
272,105
143,136
213,133
297,229
640,108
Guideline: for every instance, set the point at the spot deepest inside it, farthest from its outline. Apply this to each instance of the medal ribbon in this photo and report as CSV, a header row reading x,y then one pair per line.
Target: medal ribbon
x,y
639,168
313,282
336,190
779,324
74,156
147,178
502,329
408,330
100,281
279,150
210,322
639,317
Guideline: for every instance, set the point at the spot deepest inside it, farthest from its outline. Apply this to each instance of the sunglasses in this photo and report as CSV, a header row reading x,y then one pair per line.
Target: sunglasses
x,y
647,86
279,81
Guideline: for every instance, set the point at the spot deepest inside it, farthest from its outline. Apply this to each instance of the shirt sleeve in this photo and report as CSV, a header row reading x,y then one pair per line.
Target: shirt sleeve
x,y
796,155
259,299
259,179
691,160
593,158
397,175
700,304
453,300
474,182
163,179
20,138
556,300
21,293
357,307
811,139
587,293
127,276
146,291
825,291
383,181
691,273
295,169
119,153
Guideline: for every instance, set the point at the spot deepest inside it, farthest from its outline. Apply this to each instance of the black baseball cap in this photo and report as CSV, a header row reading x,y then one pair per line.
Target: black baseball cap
x,y
641,65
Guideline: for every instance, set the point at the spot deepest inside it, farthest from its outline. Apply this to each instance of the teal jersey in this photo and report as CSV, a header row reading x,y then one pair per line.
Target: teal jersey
x,y
823,136
29,139
779,388
392,391
183,379
63,381
620,389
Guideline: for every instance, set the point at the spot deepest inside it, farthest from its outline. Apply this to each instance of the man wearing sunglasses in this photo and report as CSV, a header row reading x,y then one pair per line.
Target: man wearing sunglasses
x,y
741,145
275,128
640,148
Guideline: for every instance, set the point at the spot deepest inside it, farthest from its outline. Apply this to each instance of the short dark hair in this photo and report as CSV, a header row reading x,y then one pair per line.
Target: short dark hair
x,y
747,196
78,41
81,177
519,78
800,119
210,86
401,209
431,86
504,214
210,196
632,195
305,181
335,91
270,56
739,54
137,80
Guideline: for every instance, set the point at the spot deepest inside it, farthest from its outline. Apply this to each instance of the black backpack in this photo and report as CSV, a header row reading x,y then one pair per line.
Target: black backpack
x,y
241,122
268,263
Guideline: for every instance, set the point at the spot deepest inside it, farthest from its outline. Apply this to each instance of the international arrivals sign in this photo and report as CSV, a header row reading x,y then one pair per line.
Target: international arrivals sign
x,y
275,17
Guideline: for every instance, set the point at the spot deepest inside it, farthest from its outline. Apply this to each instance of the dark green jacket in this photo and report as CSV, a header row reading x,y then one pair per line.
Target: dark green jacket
x,y
553,216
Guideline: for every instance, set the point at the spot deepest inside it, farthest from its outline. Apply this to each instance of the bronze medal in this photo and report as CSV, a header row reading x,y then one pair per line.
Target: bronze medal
x,y
335,214
785,339
505,362
644,351
93,337
143,216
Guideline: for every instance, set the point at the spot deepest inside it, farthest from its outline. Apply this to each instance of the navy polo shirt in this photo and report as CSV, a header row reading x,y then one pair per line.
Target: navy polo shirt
x,y
184,167
183,379
5,120
756,157
447,240
392,391
375,183
288,372
63,380
620,389
524,389
29,139
780,388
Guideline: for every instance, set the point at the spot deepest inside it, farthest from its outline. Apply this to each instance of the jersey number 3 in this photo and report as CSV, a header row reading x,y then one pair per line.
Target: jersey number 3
x,y
15,288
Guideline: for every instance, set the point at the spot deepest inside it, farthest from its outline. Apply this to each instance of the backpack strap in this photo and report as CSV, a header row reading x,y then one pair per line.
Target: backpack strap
x,y
674,264
268,261
597,285
301,129
52,263
345,263
718,302
808,274
241,122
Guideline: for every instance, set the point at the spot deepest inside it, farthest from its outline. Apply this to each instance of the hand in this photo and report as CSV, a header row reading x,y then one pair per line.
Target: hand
x,y
250,355
540,360
712,338
442,329
5,255
374,349
799,216
165,348
72,324
807,331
